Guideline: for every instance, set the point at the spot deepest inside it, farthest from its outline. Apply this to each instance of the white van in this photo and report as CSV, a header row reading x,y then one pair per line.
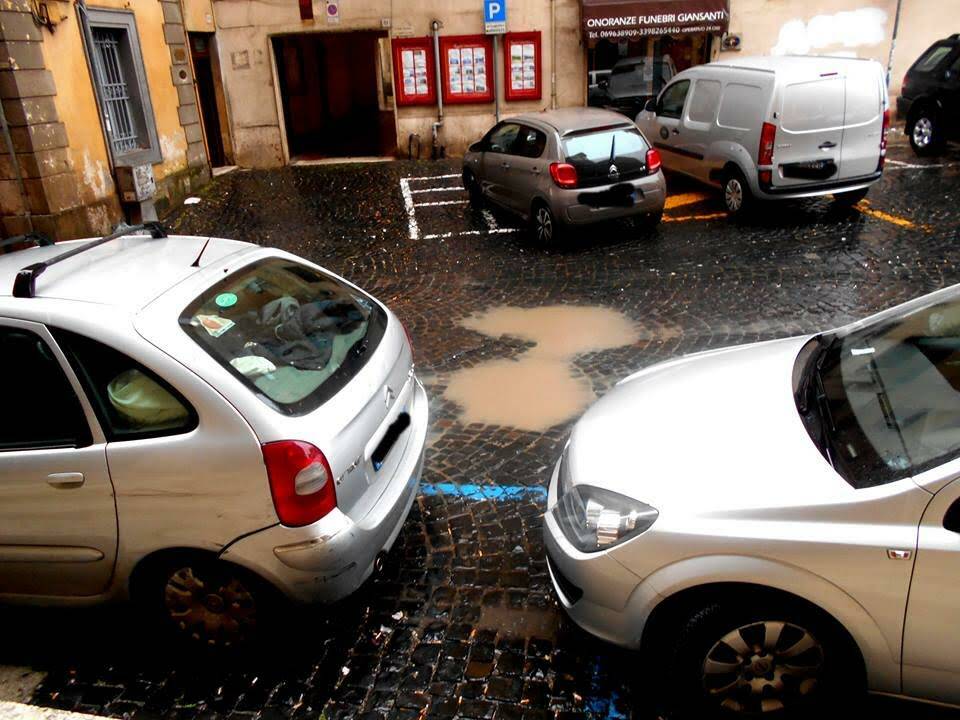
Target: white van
x,y
774,128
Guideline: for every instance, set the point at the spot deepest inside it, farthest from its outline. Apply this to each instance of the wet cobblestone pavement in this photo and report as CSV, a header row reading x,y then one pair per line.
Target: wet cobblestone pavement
x,y
462,622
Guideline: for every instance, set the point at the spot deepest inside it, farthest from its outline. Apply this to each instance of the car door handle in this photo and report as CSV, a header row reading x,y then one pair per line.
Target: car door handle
x,y
827,145
65,480
535,170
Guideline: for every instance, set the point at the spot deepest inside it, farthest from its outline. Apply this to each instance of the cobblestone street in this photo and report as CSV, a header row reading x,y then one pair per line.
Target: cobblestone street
x,y
462,621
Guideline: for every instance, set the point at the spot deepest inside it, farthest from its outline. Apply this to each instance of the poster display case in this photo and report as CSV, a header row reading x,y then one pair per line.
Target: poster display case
x,y
521,66
466,68
414,77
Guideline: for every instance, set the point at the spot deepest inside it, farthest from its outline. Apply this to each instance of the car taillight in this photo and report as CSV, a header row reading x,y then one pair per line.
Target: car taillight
x,y
883,140
903,85
653,161
300,482
564,175
768,136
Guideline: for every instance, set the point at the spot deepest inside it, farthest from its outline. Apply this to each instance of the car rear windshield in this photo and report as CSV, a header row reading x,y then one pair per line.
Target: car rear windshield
x,y
292,334
593,152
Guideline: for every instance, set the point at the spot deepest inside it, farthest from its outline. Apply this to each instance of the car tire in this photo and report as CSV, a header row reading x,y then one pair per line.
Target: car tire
x,y
206,603
924,132
736,193
544,224
474,191
730,661
849,199
647,221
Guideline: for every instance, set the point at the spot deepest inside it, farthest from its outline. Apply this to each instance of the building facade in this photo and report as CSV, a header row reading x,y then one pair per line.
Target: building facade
x,y
90,91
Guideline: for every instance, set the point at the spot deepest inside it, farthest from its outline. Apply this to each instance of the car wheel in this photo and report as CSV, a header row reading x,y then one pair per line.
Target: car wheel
x,y
772,659
207,603
924,132
544,224
647,221
849,199
736,193
473,189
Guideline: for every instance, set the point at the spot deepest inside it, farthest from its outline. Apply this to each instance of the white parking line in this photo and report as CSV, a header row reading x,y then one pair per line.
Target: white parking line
x,y
900,165
410,206
412,227
452,188
495,231
431,177
442,202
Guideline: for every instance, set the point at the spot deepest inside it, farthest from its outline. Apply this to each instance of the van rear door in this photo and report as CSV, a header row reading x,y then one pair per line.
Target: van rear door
x,y
863,120
808,144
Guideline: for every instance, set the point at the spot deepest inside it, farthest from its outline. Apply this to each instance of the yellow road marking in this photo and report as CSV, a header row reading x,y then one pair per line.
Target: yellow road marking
x,y
864,207
688,218
682,199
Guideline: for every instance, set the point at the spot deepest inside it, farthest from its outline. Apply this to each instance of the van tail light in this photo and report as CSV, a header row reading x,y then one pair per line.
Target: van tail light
x,y
300,482
768,136
653,161
564,175
883,140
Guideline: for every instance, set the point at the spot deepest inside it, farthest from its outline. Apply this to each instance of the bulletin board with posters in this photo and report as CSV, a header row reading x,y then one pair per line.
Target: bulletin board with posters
x,y
521,66
466,68
413,71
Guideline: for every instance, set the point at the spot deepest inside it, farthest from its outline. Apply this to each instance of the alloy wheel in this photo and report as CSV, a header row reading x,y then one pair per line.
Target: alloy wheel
x,y
923,132
544,225
216,609
733,194
763,667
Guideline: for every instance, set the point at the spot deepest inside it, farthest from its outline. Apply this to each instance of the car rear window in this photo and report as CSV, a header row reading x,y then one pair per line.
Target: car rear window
x,y
812,106
933,57
292,334
594,151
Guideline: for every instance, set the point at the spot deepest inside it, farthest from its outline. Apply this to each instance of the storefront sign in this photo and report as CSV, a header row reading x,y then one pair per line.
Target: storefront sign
x,y
618,20
494,17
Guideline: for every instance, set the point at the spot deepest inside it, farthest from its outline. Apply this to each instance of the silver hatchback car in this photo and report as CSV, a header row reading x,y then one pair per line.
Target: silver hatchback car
x,y
201,424
572,166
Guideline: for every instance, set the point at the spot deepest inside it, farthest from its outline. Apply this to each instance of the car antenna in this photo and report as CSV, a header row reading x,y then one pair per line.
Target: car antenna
x,y
196,263
25,283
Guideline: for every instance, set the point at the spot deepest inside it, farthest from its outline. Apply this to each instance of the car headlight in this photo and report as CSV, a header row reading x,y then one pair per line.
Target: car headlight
x,y
593,519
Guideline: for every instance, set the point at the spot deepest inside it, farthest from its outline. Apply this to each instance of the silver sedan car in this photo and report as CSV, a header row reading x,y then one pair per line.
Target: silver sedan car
x,y
567,167
201,424
776,526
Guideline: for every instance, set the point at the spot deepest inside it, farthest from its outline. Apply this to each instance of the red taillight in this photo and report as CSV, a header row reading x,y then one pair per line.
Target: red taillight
x,y
300,481
766,177
903,85
886,127
564,175
768,136
653,161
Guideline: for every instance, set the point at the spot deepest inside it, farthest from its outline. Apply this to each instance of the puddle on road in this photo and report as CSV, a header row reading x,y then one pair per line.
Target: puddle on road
x,y
538,389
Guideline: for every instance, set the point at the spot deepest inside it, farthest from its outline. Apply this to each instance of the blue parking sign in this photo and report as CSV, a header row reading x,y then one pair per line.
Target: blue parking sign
x,y
494,17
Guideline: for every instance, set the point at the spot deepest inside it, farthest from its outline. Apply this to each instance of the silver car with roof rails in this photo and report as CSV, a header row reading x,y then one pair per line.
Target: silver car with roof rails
x,y
199,423
571,166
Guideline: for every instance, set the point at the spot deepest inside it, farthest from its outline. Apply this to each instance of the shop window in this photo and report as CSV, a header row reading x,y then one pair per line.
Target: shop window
x,y
466,68
705,101
521,66
671,102
413,71
113,47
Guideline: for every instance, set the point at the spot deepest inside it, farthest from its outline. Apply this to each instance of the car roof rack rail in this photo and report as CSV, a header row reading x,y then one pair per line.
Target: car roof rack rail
x,y
25,284
36,237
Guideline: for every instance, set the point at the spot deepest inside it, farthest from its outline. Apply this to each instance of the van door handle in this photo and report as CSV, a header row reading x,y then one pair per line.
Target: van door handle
x,y
827,145
65,480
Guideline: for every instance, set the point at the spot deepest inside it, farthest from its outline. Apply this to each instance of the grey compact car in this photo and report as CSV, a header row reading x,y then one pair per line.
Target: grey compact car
x,y
202,424
572,166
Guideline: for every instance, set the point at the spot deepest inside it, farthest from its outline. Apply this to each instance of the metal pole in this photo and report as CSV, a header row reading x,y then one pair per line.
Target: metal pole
x,y
435,26
496,77
893,43
553,54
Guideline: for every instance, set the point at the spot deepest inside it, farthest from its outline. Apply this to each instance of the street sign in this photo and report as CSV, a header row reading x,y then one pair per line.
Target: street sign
x,y
494,17
333,12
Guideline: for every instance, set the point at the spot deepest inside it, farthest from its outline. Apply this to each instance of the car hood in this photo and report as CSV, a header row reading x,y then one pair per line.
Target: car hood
x,y
712,432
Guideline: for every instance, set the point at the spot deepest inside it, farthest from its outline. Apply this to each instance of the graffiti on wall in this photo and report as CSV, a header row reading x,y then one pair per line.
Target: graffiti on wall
x,y
850,29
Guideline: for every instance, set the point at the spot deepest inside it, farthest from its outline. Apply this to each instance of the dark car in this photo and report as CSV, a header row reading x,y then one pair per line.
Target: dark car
x,y
930,97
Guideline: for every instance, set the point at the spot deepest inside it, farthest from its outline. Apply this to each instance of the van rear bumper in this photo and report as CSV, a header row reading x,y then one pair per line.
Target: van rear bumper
x,y
769,192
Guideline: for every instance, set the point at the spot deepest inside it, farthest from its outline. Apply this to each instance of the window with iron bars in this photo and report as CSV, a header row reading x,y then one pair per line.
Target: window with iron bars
x,y
118,72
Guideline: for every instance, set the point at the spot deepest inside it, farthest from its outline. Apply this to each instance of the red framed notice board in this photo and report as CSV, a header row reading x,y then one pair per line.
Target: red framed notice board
x,y
414,77
466,68
521,66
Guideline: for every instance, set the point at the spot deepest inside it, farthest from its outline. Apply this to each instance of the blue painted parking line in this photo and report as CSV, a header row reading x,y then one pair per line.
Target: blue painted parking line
x,y
485,492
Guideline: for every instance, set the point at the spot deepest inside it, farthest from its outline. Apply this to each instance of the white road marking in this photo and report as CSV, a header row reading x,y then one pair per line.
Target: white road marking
x,y
452,188
412,226
430,177
490,219
900,165
496,231
19,711
442,202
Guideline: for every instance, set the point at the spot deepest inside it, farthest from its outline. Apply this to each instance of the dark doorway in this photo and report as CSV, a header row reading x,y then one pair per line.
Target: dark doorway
x,y
333,88
207,74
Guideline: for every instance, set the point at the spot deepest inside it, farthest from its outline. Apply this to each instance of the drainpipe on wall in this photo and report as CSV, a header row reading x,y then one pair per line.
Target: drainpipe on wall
x,y
893,42
437,151
553,53
8,139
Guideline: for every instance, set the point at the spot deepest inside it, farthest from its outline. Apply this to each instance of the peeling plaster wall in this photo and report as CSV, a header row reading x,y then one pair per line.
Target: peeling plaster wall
x,y
244,28
76,102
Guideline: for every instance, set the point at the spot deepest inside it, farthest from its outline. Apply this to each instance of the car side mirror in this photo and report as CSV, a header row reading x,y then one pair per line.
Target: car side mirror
x,y
477,146
650,106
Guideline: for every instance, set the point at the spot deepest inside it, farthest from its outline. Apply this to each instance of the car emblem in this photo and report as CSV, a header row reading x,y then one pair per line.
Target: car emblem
x,y
613,172
388,396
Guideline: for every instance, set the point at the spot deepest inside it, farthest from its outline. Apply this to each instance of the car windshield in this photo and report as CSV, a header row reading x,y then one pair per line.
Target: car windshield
x,y
294,335
886,397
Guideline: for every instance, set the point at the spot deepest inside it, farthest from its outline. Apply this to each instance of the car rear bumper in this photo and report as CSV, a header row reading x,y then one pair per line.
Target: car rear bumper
x,y
570,206
330,559
791,192
903,107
